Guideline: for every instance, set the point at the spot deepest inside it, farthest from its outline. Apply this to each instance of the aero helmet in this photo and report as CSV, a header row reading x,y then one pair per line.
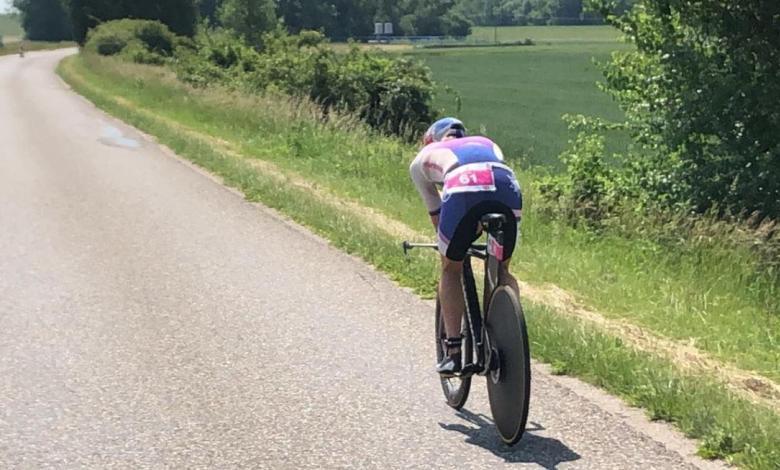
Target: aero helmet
x,y
442,128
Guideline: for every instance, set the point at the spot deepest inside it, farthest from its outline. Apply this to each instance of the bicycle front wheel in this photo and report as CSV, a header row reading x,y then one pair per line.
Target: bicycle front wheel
x,y
456,389
509,380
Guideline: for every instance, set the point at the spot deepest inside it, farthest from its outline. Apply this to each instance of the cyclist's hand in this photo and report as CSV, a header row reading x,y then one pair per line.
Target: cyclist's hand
x,y
435,221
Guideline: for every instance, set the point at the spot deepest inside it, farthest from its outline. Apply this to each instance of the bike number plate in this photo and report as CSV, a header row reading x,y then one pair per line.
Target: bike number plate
x,y
470,178
495,249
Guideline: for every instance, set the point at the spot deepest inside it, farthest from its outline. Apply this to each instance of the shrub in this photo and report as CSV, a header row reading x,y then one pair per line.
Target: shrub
x,y
216,58
391,94
136,51
141,41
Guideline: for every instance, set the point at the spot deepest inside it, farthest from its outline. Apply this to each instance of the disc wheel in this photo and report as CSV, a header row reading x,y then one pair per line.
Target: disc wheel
x,y
509,382
456,389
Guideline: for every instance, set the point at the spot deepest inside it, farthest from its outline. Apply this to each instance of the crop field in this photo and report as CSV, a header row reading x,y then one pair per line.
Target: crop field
x,y
546,34
517,95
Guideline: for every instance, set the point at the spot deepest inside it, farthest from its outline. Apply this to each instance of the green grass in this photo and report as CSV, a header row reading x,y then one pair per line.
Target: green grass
x,y
716,297
700,408
353,161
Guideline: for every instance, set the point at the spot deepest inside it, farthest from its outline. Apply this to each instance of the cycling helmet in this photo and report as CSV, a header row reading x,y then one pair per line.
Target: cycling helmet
x,y
442,128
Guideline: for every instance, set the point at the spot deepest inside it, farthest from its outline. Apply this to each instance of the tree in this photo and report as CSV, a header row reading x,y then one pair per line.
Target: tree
x,y
208,9
702,98
86,14
433,18
44,20
249,19
354,18
298,15
518,12
179,15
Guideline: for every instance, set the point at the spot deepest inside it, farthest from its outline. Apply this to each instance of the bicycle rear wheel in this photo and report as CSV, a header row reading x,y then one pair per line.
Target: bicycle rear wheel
x,y
456,389
509,382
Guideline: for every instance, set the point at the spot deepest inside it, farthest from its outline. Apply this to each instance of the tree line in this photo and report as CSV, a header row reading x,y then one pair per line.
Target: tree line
x,y
531,12
337,19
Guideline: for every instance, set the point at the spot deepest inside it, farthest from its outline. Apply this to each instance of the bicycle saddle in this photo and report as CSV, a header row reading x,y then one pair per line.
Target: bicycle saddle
x,y
493,222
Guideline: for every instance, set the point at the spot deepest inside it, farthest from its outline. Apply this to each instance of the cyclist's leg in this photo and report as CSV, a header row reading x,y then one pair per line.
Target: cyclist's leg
x,y
451,296
452,248
457,229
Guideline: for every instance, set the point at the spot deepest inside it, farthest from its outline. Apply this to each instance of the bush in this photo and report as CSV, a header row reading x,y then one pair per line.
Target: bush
x,y
142,41
216,58
391,94
590,191
638,198
136,51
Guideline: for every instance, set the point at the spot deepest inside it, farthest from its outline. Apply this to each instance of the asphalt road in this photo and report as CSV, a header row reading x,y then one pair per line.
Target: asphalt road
x,y
151,318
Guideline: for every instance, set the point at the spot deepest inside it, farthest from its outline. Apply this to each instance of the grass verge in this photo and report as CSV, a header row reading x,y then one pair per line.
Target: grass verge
x,y
338,156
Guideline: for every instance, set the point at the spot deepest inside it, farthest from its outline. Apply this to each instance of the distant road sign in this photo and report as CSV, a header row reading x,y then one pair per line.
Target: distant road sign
x,y
378,29
389,29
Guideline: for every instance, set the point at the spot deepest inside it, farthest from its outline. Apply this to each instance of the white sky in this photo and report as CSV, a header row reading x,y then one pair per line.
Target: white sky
x,y
5,5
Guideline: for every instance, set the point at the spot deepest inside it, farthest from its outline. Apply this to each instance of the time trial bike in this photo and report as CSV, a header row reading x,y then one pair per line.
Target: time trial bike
x,y
494,338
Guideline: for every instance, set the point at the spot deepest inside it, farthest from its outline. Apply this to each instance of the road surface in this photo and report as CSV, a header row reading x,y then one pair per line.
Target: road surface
x,y
150,318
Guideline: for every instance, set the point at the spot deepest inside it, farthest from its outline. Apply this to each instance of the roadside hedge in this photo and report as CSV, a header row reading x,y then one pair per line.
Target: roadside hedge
x,y
140,41
392,94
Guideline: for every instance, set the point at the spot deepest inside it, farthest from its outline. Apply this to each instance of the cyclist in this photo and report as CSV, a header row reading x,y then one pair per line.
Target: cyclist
x,y
475,182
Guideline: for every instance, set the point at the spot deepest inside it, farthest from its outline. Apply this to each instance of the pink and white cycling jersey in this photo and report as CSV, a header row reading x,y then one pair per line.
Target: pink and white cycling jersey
x,y
436,161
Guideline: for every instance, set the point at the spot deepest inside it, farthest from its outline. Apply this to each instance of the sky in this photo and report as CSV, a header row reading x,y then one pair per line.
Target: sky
x,y
5,5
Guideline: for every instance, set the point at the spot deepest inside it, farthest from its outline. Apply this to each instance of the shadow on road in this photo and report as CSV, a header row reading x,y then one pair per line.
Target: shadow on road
x,y
544,451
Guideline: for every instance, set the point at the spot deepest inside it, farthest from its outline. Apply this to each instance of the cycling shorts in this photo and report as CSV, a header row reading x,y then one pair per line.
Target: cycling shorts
x,y
471,191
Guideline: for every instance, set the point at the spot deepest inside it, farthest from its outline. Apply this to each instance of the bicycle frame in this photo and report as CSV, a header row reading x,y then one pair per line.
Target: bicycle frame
x,y
475,316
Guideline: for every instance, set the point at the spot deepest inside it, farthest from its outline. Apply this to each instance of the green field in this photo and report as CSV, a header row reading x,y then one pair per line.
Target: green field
x,y
546,34
10,27
517,95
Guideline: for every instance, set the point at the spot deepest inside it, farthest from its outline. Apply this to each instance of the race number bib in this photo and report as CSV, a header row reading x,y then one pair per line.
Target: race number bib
x,y
470,178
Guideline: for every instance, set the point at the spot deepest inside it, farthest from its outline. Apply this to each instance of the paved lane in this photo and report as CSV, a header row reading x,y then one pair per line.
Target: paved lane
x,y
152,318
